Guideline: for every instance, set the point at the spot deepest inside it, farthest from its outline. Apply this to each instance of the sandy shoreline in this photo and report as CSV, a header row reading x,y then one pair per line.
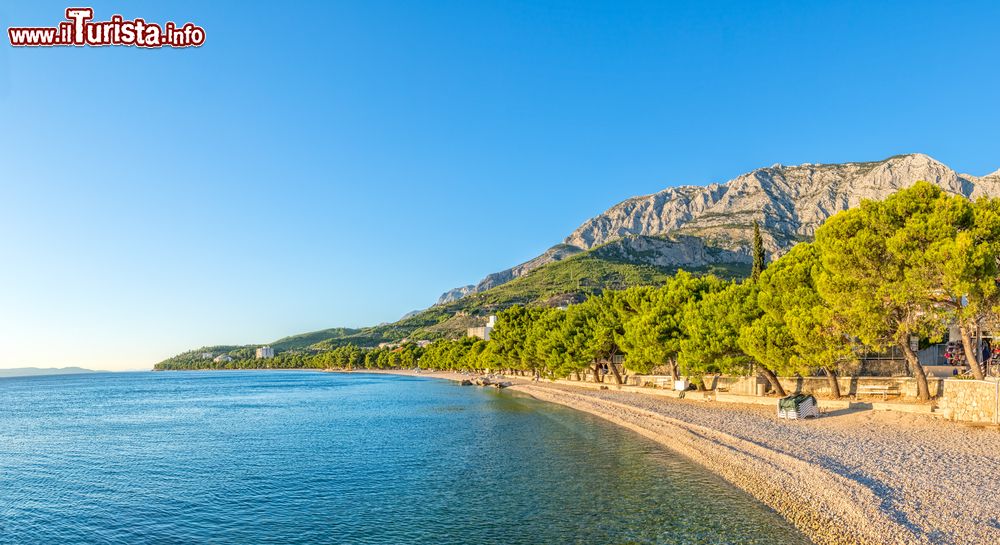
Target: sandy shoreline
x,y
852,477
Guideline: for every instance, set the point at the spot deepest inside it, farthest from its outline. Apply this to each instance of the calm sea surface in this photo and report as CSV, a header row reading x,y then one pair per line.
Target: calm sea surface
x,y
304,457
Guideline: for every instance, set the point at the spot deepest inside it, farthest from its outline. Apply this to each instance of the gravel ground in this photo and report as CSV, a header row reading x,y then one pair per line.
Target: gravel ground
x,y
848,477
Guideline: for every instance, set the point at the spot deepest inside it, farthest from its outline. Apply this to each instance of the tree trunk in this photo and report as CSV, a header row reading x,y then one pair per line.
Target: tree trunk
x,y
577,377
597,373
615,373
923,391
769,375
970,352
831,377
674,371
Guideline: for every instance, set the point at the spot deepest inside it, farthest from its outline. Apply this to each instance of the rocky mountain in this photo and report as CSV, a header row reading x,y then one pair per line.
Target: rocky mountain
x,y
555,253
644,240
669,251
695,226
412,313
453,294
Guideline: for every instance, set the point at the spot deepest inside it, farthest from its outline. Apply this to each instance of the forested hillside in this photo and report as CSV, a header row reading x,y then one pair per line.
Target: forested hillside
x,y
557,284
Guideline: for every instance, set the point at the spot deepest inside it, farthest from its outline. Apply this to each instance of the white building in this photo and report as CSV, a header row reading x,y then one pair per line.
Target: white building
x,y
265,352
206,355
483,332
222,358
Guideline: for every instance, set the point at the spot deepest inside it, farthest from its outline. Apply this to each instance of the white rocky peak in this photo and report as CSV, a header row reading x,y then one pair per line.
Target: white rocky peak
x,y
790,202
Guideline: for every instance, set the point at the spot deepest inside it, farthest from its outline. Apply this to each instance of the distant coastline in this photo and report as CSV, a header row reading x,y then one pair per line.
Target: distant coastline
x,y
44,371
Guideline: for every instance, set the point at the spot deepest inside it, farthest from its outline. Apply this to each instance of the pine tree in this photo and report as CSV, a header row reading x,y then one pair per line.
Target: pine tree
x,y
758,253
878,270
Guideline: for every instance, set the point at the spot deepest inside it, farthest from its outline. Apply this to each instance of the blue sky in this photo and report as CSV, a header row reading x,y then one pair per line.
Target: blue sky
x,y
344,163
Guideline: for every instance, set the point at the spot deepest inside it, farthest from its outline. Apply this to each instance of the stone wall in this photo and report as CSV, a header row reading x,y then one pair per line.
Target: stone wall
x,y
664,381
737,385
957,399
849,386
969,401
819,386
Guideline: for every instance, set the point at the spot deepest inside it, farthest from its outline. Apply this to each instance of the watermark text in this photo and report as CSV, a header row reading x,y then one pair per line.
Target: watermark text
x,y
80,29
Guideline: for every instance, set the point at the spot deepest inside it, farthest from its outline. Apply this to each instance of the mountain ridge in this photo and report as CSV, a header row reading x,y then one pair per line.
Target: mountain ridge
x,y
789,202
643,239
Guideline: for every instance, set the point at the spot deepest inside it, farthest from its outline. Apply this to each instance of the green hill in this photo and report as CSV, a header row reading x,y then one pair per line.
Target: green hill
x,y
558,283
304,340
613,266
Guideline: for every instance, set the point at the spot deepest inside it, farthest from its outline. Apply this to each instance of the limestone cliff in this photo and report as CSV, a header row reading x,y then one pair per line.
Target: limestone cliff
x,y
705,225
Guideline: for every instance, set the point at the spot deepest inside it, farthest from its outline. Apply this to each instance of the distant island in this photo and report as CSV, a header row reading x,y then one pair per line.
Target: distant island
x,y
41,371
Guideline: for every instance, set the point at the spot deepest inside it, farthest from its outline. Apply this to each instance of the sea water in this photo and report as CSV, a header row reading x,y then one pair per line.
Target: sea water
x,y
244,457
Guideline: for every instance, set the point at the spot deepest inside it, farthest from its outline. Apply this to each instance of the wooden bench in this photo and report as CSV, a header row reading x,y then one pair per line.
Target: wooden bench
x,y
883,390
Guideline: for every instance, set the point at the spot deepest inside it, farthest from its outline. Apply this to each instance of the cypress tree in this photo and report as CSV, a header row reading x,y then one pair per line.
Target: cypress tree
x,y
758,253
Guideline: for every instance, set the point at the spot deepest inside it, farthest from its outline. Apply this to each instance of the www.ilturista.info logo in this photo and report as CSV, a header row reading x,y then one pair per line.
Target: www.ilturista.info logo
x,y
80,29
